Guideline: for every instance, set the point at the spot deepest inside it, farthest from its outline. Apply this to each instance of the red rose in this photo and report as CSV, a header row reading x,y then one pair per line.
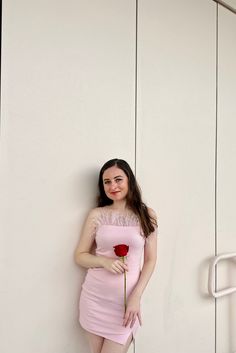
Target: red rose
x,y
121,250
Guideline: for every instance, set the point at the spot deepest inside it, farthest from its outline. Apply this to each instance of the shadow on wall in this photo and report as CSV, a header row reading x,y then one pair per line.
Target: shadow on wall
x,y
84,194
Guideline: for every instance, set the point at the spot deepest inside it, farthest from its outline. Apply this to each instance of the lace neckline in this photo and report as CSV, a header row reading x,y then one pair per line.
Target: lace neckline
x,y
117,217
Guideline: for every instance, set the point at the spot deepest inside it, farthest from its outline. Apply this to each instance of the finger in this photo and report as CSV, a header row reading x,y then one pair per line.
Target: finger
x,y
120,269
117,268
123,265
133,321
127,319
139,318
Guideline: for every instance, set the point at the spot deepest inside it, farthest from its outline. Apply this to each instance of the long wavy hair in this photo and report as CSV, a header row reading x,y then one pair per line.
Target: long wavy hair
x,y
133,198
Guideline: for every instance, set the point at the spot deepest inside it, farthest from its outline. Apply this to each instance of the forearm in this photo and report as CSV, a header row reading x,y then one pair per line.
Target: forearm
x,y
144,278
88,260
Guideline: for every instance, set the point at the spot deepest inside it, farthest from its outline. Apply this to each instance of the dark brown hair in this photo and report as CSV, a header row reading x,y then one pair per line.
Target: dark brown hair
x,y
133,199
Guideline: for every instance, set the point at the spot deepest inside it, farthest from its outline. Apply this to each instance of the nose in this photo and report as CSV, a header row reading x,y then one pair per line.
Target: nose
x,y
113,186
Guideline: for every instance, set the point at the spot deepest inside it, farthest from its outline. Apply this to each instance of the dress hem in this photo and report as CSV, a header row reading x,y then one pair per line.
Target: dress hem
x,y
123,342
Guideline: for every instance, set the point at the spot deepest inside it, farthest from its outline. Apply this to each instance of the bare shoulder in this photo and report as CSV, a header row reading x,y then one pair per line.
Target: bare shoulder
x,y
94,212
95,209
152,212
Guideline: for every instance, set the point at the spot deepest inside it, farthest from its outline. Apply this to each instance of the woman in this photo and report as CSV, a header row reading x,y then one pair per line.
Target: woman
x,y
120,218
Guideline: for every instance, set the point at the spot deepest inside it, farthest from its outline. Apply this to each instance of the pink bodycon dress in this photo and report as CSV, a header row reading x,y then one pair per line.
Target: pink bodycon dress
x,y
101,304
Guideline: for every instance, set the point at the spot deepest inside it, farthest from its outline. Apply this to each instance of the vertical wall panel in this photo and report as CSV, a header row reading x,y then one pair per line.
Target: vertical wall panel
x,y
175,166
226,276
67,107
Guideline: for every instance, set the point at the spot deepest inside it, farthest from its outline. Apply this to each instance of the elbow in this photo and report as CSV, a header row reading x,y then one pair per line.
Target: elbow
x,y
77,257
81,258
150,262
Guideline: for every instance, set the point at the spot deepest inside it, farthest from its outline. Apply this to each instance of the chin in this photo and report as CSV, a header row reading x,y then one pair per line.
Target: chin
x,y
115,198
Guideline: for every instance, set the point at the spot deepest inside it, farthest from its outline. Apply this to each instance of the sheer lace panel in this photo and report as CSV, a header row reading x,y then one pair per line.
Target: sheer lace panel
x,y
117,218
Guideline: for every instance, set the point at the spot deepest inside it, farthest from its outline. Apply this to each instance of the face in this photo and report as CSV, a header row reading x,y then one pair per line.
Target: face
x,y
115,183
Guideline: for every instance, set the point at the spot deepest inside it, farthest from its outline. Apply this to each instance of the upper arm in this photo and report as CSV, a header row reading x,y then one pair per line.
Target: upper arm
x,y
150,247
87,236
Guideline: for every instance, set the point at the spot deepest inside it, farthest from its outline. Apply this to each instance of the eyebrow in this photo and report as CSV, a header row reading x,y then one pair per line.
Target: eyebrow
x,y
118,176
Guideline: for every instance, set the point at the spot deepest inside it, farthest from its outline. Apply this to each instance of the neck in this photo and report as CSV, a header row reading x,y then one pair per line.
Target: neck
x,y
119,205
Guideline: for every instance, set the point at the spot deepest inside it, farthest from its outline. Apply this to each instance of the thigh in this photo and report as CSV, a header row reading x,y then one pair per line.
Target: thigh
x,y
111,346
95,342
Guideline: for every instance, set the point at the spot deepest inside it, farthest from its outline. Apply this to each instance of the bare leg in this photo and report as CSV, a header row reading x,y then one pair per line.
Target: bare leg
x,y
95,342
113,347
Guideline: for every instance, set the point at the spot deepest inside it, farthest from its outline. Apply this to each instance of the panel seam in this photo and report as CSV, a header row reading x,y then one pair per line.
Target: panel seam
x,y
216,157
135,87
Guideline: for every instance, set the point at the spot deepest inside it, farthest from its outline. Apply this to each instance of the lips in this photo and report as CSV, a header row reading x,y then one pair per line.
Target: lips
x,y
113,193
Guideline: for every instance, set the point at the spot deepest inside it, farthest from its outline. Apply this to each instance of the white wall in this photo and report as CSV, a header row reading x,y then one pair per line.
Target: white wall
x,y
68,105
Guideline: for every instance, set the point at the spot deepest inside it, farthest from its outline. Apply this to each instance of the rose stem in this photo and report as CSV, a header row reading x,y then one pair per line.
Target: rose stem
x,y
123,259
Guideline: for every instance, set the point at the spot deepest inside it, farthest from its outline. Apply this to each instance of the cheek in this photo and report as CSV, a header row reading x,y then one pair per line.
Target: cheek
x,y
126,186
105,188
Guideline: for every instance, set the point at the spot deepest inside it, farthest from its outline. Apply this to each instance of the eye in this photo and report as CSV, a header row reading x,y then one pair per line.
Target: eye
x,y
118,179
106,182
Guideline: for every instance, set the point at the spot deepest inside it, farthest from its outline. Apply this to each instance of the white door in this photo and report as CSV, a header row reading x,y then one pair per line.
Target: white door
x,y
177,120
226,187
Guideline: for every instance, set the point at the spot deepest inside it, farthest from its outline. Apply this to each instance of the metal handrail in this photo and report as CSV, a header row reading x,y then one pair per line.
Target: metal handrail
x,y
227,6
211,279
